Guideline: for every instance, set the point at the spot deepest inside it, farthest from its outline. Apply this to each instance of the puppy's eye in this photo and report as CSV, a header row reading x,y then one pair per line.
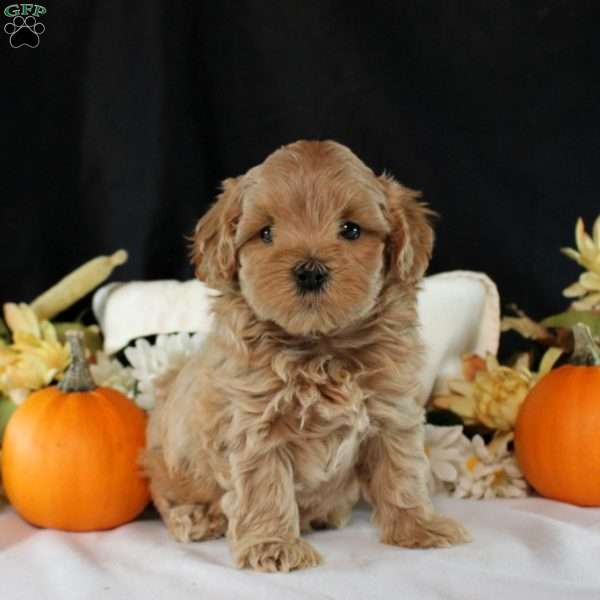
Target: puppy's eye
x,y
350,231
266,235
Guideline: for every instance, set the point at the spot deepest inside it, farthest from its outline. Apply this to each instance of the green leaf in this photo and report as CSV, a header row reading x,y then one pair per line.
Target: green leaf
x,y
7,408
568,319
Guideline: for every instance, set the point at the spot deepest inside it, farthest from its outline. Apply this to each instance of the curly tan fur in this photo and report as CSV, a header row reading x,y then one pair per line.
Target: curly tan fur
x,y
297,402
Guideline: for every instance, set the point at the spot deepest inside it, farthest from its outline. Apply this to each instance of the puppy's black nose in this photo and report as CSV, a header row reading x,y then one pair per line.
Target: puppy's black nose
x,y
310,276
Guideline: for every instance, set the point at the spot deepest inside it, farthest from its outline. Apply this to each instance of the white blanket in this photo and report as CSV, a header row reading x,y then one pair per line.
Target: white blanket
x,y
529,548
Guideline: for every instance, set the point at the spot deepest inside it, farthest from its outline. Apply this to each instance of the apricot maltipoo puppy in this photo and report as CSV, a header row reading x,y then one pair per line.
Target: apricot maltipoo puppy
x,y
304,394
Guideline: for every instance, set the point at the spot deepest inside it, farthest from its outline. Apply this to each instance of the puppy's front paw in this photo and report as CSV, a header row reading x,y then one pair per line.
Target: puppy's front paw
x,y
435,531
279,556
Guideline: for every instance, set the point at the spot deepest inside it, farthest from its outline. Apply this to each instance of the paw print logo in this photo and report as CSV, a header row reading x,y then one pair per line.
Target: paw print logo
x,y
24,31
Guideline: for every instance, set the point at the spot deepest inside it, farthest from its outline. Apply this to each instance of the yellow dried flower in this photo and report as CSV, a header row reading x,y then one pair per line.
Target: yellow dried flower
x,y
495,393
500,392
35,357
587,288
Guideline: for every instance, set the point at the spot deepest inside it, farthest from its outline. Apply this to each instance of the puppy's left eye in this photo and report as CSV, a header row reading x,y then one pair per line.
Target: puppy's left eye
x,y
266,235
350,231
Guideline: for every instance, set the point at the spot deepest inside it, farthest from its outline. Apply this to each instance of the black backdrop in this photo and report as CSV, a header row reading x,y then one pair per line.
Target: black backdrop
x,y
117,129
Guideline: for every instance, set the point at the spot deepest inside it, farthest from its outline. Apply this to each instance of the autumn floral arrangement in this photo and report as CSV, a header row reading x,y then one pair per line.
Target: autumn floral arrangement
x,y
35,353
471,431
470,427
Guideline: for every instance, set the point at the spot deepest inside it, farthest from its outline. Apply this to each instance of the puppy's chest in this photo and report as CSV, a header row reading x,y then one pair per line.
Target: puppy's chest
x,y
322,407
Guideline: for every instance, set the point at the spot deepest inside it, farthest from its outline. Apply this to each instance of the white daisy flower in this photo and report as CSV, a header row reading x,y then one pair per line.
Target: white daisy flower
x,y
446,449
109,372
155,366
490,471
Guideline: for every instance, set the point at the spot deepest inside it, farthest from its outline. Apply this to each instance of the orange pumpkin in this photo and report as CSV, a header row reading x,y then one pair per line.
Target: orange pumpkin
x,y
70,453
557,434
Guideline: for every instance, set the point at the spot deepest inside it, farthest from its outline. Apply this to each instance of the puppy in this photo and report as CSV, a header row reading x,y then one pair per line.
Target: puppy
x,y
303,395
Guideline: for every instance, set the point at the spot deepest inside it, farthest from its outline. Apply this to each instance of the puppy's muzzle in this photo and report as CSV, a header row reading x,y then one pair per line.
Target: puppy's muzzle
x,y
310,276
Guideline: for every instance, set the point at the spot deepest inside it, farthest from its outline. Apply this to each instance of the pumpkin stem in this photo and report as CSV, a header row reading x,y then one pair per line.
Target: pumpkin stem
x,y
77,377
586,351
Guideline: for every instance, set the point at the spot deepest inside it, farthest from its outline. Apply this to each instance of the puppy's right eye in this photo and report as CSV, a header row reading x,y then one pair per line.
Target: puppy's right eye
x,y
266,235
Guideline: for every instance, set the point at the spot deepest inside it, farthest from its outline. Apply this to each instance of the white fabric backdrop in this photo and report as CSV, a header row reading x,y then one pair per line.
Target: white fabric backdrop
x,y
522,549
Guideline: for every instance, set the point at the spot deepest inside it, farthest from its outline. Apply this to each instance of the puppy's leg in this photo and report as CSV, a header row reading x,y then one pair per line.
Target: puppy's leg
x,y
264,526
189,507
393,472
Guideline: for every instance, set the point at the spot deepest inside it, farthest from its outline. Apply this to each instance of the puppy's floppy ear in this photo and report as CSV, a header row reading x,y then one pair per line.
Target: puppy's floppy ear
x,y
213,242
411,238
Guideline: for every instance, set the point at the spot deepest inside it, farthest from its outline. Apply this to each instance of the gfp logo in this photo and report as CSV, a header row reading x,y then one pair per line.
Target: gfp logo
x,y
24,29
